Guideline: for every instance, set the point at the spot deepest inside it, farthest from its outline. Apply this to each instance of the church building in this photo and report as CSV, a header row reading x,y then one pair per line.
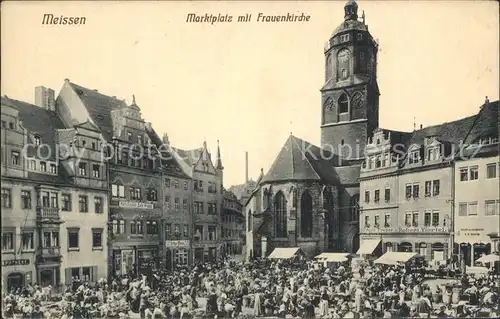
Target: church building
x,y
309,197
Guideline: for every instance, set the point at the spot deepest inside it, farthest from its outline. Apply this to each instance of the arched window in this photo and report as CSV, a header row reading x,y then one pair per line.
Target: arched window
x,y
355,208
250,222
306,214
343,103
280,215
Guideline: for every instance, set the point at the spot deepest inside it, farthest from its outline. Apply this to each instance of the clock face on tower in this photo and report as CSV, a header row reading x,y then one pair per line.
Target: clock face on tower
x,y
344,55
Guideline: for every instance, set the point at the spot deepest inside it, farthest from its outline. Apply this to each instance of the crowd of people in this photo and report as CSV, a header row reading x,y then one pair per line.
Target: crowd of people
x,y
265,288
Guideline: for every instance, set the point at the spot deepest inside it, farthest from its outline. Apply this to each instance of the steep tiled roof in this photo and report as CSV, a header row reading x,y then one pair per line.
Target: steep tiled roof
x,y
38,121
171,165
398,137
486,123
468,129
348,174
99,107
452,132
191,157
300,160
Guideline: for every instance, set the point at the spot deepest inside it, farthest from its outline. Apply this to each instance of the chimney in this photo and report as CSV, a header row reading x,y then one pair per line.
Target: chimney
x,y
45,98
246,167
421,126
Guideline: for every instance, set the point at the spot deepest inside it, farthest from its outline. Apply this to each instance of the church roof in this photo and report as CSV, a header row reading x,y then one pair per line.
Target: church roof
x,y
301,160
349,25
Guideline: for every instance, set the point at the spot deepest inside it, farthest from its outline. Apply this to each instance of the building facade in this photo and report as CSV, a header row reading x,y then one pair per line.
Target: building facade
x,y
476,181
56,191
233,225
134,174
421,189
207,195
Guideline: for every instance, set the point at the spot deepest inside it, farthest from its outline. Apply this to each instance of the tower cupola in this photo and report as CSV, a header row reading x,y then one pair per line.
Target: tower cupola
x,y
351,10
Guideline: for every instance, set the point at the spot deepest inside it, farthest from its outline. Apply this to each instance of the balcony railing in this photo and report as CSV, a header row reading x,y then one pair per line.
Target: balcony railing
x,y
51,251
49,213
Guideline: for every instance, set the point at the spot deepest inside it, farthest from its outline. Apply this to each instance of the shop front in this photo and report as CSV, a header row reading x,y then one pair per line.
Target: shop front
x,y
16,273
147,260
177,254
204,253
471,243
123,261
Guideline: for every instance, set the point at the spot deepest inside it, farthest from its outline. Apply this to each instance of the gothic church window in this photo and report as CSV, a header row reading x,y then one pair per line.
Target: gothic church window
x,y
280,215
306,214
343,103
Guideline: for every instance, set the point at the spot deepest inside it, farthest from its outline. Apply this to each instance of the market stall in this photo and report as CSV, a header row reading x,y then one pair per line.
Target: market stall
x,y
286,253
395,258
328,259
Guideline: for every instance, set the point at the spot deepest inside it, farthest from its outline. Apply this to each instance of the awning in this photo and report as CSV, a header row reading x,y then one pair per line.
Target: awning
x,y
332,257
491,258
476,270
394,258
368,246
284,253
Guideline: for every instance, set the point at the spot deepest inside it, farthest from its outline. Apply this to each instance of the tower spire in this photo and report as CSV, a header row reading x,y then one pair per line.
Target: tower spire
x,y
219,159
351,10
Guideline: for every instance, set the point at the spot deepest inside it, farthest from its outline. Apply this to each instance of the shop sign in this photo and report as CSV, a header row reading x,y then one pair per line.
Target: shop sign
x,y
15,262
176,244
407,230
131,204
470,232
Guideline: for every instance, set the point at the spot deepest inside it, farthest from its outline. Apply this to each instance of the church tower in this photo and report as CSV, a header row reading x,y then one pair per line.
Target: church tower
x,y
350,95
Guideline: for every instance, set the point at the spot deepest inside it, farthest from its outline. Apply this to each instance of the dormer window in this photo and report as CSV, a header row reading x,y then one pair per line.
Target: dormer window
x,y
385,160
488,140
414,157
433,154
37,140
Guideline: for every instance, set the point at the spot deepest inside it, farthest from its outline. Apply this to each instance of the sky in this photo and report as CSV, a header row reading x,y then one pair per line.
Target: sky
x,y
249,85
